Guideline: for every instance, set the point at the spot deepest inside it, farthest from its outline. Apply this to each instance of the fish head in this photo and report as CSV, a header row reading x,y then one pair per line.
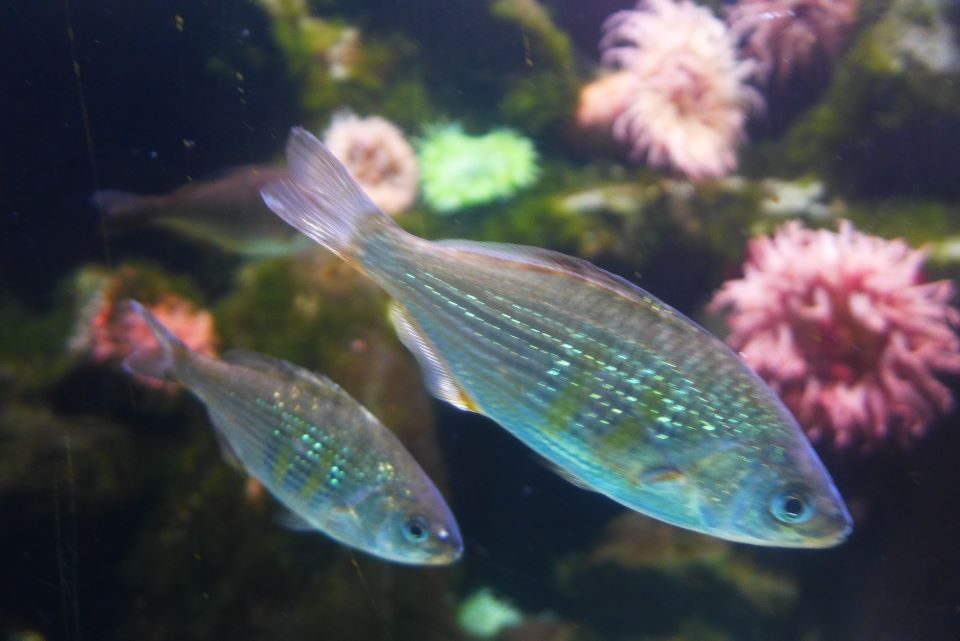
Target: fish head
x,y
776,494
414,524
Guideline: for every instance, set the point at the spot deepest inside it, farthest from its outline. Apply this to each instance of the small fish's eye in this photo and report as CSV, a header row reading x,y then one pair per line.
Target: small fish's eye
x,y
790,506
416,529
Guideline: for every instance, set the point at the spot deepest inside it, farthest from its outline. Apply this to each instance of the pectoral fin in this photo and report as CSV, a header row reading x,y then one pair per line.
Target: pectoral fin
x,y
437,375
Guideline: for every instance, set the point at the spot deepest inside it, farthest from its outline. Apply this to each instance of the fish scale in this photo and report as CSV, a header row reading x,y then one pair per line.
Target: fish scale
x,y
275,451
621,392
603,404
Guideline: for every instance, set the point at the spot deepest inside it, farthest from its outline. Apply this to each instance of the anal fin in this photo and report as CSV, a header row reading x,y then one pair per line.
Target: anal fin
x,y
436,373
222,427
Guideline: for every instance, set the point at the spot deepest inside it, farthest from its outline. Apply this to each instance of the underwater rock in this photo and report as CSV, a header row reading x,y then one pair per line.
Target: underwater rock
x,y
542,628
32,351
91,455
646,576
229,571
336,64
888,118
542,95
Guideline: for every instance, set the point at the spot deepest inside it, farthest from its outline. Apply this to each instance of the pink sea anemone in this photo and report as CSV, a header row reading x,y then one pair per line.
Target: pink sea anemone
x,y
678,95
842,327
606,98
785,36
378,157
108,331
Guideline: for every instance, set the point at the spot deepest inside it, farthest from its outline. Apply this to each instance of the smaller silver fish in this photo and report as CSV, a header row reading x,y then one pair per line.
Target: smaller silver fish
x,y
316,449
226,211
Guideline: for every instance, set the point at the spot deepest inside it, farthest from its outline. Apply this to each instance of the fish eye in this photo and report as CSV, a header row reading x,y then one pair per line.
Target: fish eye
x,y
416,529
790,506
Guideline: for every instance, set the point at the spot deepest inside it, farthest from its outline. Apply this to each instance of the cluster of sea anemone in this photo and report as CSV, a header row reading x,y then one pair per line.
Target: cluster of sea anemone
x,y
843,327
676,89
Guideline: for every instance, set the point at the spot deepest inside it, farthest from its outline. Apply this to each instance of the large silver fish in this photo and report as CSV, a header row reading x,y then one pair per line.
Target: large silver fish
x,y
316,449
621,392
226,211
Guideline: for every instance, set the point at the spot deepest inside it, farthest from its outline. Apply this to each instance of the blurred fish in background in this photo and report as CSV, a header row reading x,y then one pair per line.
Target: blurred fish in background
x,y
226,211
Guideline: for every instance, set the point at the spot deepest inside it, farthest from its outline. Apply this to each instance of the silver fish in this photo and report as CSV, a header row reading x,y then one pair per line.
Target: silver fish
x,y
317,450
622,393
226,211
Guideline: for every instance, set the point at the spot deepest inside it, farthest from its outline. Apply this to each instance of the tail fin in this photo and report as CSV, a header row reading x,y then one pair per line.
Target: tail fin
x,y
155,362
119,206
321,199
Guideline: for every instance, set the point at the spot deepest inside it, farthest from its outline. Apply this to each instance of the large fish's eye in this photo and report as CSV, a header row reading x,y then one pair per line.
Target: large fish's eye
x,y
790,506
416,529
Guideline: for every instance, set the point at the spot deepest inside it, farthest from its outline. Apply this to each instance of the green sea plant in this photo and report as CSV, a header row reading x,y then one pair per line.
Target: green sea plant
x,y
458,170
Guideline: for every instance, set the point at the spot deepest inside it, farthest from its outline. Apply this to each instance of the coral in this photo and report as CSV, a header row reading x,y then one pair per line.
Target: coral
x,y
685,101
786,36
458,170
107,332
378,156
841,325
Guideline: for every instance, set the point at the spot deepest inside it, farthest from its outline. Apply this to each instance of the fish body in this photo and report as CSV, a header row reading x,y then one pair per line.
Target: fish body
x,y
226,211
317,450
622,393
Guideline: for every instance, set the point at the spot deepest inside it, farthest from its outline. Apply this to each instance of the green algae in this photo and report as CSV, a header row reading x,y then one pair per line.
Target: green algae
x,y
458,170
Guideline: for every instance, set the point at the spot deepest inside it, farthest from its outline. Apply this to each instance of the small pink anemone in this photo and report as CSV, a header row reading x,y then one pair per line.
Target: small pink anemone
x,y
843,328
677,93
378,156
787,36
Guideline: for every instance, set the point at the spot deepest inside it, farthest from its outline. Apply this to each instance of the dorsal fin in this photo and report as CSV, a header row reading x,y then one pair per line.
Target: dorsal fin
x,y
553,261
274,367
436,373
